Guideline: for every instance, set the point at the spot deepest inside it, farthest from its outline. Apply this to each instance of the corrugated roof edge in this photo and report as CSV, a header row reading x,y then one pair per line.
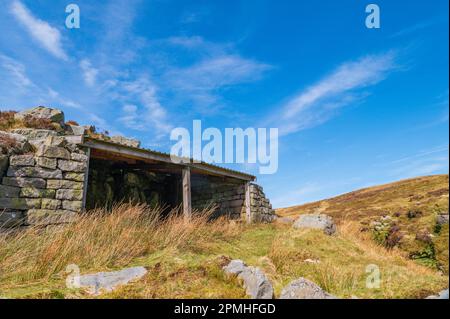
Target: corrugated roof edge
x,y
88,138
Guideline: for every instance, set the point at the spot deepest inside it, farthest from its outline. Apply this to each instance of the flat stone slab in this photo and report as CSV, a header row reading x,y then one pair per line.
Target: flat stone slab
x,y
316,221
108,281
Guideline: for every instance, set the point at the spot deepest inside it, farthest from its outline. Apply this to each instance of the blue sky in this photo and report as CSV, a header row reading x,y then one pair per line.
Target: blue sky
x,y
355,106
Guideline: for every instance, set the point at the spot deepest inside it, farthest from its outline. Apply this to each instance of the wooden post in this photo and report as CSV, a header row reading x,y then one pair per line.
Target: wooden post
x,y
248,213
186,177
86,176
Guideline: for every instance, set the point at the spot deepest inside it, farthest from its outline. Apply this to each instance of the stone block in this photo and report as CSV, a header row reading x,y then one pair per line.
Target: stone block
x,y
55,141
75,206
48,216
38,172
37,192
22,160
78,157
72,166
24,182
47,162
61,183
34,134
20,203
53,152
69,194
9,191
78,177
50,203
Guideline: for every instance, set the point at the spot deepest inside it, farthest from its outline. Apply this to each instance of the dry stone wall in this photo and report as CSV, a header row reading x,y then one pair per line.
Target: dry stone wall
x,y
230,199
260,207
45,184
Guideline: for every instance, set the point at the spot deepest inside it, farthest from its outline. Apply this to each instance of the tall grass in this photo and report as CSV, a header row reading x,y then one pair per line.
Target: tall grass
x,y
103,239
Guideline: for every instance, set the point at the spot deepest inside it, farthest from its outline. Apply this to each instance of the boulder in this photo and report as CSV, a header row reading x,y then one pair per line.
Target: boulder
x,y
42,112
256,284
108,281
304,289
235,267
442,219
316,221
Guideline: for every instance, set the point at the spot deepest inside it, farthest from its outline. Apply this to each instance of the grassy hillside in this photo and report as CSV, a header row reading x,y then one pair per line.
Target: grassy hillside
x,y
411,206
185,259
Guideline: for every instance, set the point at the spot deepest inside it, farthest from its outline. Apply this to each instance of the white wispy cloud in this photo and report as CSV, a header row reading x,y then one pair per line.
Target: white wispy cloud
x,y
16,71
89,72
319,102
202,83
151,115
41,31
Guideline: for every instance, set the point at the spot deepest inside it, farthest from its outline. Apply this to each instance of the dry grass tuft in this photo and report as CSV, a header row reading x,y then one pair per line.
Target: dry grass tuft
x,y
102,239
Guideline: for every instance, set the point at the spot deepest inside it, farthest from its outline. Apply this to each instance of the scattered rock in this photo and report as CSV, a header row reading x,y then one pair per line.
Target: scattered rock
x,y
442,295
108,281
235,267
316,221
442,219
304,289
256,284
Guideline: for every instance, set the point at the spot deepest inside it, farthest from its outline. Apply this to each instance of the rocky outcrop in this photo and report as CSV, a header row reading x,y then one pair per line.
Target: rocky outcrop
x,y
42,112
316,221
304,289
256,284
108,281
